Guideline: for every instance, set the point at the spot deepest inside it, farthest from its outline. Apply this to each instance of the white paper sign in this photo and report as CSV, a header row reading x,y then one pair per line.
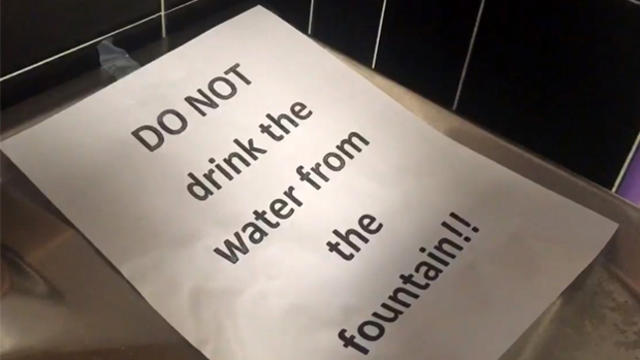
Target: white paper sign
x,y
272,204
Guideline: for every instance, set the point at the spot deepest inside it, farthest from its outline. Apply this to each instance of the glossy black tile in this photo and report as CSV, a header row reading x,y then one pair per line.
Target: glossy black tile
x,y
561,78
424,44
190,21
350,27
295,12
170,4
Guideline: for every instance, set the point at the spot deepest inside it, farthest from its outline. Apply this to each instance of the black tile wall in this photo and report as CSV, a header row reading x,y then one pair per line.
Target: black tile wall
x,y
561,78
424,43
348,26
27,84
67,67
33,30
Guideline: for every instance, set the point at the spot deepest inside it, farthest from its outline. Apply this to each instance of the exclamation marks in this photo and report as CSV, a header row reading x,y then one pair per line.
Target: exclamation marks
x,y
460,220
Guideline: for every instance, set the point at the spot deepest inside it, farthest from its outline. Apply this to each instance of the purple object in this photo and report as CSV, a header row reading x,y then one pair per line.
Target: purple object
x,y
630,186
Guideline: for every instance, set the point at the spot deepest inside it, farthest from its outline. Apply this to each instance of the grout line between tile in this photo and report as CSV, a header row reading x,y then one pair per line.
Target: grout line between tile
x,y
627,161
163,19
468,58
311,5
375,49
180,6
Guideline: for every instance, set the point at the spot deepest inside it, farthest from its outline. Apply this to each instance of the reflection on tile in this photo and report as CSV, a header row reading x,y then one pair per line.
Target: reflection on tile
x,y
630,185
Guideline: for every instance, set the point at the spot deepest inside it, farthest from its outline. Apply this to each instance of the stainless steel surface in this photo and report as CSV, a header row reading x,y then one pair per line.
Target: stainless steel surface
x,y
61,299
